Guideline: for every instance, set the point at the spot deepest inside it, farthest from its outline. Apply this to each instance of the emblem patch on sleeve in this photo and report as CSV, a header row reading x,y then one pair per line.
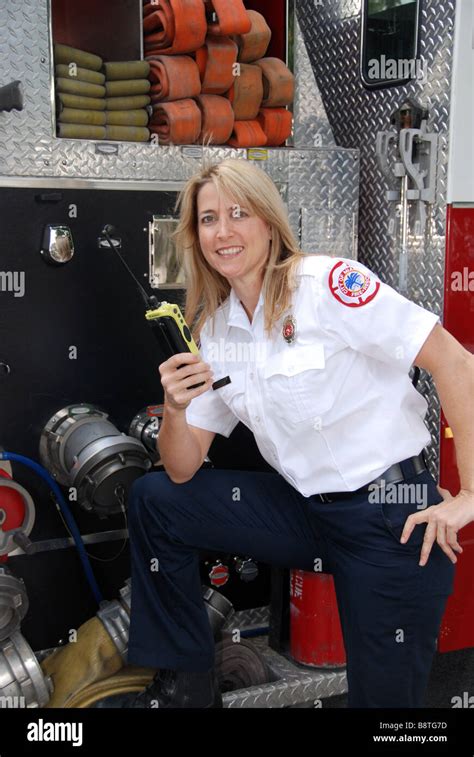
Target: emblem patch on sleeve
x,y
352,287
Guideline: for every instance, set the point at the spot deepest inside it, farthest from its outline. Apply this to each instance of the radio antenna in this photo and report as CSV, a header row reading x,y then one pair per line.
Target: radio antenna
x,y
150,300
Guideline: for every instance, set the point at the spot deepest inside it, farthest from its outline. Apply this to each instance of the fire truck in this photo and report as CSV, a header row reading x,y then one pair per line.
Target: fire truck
x,y
374,161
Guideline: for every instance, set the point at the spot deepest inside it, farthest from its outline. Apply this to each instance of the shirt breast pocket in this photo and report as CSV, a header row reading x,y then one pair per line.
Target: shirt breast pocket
x,y
297,383
233,393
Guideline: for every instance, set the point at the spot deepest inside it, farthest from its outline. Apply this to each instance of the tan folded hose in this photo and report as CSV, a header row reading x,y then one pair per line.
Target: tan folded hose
x,y
246,92
175,26
278,83
66,54
177,123
127,103
127,133
216,60
130,680
76,116
247,134
82,103
81,131
127,117
217,119
276,123
173,77
254,44
133,69
92,657
231,17
79,74
127,88
72,87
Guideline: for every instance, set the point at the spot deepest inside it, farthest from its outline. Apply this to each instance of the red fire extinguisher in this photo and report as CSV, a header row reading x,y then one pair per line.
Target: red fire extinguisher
x,y
315,627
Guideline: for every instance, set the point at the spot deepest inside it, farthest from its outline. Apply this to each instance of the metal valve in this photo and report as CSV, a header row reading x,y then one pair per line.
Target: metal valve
x,y
219,574
246,567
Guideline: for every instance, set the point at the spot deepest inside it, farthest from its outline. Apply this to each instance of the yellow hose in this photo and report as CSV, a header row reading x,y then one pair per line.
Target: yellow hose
x,y
129,680
93,657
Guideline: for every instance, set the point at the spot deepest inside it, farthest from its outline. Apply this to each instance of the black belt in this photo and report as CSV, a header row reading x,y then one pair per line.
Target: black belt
x,y
397,472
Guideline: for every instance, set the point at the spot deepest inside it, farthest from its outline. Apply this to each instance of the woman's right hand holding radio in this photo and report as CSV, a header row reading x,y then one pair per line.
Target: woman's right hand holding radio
x,y
183,377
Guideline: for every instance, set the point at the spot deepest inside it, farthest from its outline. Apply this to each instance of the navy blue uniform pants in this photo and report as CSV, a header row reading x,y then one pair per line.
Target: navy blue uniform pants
x,y
390,607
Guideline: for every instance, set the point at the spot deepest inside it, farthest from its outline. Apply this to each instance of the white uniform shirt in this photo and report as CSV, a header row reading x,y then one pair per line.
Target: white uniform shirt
x,y
334,408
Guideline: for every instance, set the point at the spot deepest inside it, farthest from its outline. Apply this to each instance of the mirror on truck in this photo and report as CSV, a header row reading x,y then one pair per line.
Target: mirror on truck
x,y
166,272
389,43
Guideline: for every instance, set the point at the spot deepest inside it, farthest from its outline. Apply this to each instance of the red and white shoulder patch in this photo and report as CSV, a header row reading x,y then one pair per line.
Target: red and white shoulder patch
x,y
351,286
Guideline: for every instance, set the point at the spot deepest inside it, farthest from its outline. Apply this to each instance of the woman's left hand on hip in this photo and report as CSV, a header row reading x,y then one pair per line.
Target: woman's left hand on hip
x,y
444,521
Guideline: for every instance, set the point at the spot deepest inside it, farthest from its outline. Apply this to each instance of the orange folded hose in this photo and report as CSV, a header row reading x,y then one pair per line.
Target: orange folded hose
x,y
254,44
276,124
215,60
247,134
217,119
173,77
246,92
152,21
149,8
278,83
231,17
176,26
177,123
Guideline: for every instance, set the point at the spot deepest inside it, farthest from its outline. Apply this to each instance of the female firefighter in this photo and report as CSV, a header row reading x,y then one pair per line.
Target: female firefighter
x,y
318,352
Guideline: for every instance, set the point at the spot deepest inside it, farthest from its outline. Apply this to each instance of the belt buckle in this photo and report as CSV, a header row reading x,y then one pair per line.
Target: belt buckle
x,y
419,463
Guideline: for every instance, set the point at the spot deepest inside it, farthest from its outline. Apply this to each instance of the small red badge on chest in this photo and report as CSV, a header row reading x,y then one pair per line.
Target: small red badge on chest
x,y
289,329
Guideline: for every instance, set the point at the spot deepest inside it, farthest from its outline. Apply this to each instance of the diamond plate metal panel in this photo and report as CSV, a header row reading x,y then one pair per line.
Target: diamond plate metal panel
x,y
294,684
253,617
322,185
24,55
323,199
356,114
28,147
311,125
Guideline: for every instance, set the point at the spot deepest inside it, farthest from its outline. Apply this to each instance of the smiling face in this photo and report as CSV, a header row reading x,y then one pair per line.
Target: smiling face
x,y
234,241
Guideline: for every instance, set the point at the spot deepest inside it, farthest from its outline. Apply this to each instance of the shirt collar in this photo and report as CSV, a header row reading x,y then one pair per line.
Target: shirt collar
x,y
237,315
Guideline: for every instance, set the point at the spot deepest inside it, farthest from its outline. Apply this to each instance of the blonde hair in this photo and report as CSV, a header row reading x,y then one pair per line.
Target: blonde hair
x,y
245,184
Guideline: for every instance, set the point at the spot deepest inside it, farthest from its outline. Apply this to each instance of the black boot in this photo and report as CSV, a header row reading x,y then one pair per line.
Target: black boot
x,y
172,688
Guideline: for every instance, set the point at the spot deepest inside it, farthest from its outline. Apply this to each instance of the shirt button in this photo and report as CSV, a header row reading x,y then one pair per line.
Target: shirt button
x,y
251,375
257,419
